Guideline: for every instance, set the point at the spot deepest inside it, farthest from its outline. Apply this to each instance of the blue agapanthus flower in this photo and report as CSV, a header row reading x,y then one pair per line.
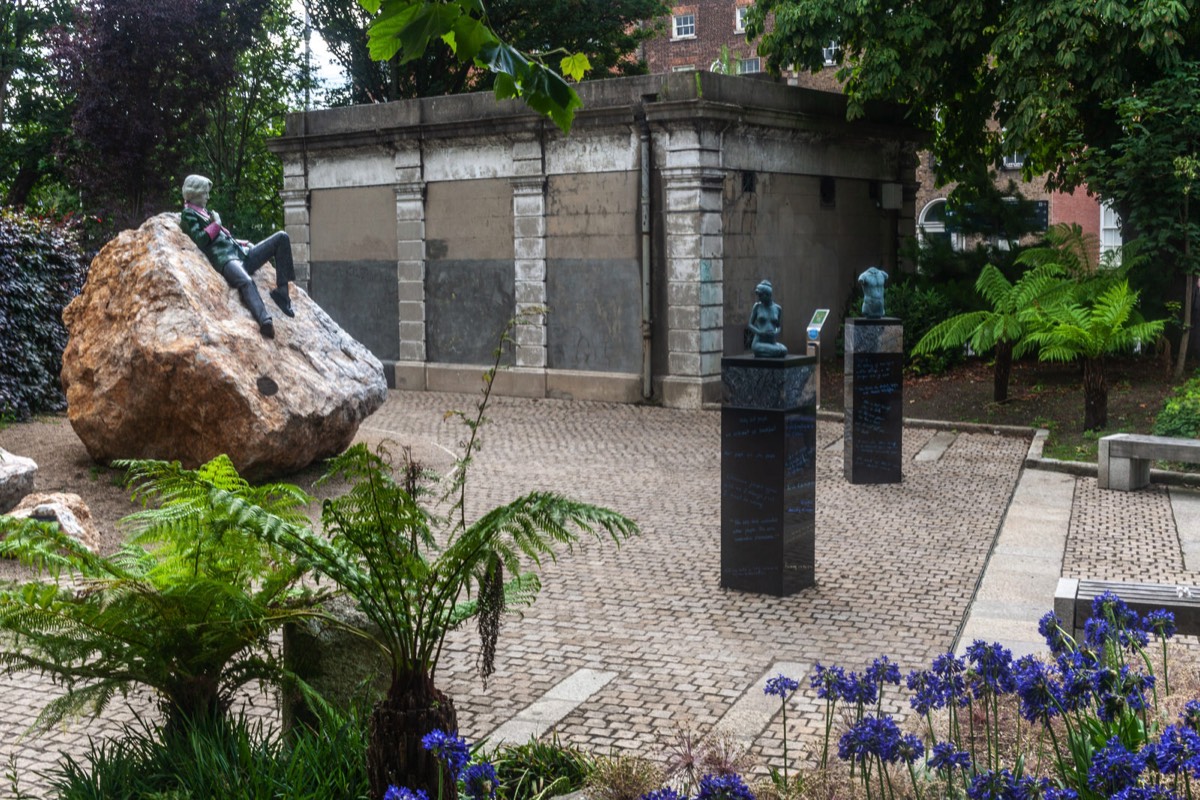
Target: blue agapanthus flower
x,y
404,793
479,781
870,736
882,671
860,689
451,749
910,748
828,681
1115,622
950,670
665,793
1051,629
1159,623
944,756
781,686
1028,787
1147,793
724,787
989,785
1191,715
1077,671
1055,793
1177,750
1040,693
992,664
925,691
1109,606
1114,768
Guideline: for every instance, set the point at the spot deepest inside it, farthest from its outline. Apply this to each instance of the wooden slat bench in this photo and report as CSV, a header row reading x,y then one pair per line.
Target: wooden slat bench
x,y
1124,458
1073,601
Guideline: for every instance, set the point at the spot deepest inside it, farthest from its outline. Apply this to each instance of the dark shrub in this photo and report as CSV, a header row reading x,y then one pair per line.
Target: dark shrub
x,y
41,269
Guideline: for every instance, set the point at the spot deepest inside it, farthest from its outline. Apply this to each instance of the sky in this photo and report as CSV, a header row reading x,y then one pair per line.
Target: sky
x,y
326,69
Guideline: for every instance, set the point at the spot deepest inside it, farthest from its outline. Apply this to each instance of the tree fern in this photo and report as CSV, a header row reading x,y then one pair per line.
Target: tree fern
x,y
418,574
1001,328
185,607
1087,331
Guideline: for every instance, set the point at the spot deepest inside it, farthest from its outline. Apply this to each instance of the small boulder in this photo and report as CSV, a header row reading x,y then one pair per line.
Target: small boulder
x,y
68,510
165,362
17,474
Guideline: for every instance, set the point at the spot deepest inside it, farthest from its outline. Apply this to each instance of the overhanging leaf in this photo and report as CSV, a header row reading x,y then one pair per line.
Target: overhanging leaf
x,y
575,66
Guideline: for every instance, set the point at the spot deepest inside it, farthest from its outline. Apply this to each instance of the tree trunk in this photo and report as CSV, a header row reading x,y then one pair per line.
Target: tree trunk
x,y
1190,281
1095,395
1001,371
395,757
192,702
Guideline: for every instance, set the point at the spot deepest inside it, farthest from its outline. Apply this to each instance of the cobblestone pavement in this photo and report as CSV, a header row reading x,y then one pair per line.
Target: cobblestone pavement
x,y
897,567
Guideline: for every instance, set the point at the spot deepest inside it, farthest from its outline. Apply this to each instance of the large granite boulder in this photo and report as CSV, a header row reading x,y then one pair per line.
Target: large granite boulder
x,y
165,362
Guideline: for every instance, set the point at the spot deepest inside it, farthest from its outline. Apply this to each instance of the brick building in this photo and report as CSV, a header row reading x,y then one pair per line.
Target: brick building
x,y
699,34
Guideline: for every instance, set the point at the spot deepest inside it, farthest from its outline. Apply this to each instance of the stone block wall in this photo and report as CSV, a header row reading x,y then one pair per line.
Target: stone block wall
x,y
424,226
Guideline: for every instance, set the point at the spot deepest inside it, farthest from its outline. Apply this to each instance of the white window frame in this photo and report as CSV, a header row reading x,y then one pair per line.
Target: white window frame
x,y
744,63
1110,231
739,19
677,23
1013,161
926,230
829,53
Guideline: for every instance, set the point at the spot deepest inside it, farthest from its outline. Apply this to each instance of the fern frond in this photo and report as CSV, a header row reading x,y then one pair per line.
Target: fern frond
x,y
952,333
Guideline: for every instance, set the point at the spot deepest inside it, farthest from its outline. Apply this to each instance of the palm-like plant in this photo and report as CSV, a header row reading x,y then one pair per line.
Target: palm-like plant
x,y
1000,328
1087,330
417,576
184,608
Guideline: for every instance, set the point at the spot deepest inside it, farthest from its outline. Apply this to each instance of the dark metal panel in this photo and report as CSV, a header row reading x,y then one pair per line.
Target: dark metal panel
x,y
595,320
362,297
467,305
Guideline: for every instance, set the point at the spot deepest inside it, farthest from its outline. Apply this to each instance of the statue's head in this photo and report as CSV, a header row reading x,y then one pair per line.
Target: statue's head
x,y
764,291
196,189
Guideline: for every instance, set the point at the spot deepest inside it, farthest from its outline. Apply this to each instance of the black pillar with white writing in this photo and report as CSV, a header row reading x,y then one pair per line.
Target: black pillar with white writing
x,y
874,400
768,474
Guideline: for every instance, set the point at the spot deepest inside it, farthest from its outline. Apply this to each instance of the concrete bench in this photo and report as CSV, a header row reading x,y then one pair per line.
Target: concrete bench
x,y
1125,458
1073,601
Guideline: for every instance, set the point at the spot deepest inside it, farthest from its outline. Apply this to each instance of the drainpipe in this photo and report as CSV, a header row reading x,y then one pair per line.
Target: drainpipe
x,y
644,209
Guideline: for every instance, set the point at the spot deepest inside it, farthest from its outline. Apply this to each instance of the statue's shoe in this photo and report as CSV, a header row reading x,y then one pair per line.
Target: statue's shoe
x,y
280,296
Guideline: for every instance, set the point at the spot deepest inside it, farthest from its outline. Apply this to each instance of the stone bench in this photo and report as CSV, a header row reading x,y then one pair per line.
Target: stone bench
x,y
1073,601
1125,458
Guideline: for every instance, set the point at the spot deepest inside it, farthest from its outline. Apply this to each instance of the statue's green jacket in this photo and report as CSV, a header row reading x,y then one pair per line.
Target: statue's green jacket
x,y
220,249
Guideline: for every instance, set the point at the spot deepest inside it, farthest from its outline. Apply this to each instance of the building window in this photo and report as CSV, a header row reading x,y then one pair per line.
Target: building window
x,y
739,19
746,66
684,26
932,225
1110,233
1014,161
831,53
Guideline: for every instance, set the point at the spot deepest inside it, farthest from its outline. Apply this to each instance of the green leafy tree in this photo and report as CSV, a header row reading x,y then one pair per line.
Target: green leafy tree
x,y
417,576
184,608
232,150
1046,70
1151,171
34,117
143,74
404,30
606,32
